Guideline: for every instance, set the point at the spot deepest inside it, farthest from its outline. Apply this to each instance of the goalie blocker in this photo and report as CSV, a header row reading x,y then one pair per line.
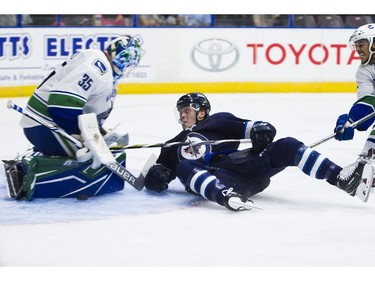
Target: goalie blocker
x,y
36,176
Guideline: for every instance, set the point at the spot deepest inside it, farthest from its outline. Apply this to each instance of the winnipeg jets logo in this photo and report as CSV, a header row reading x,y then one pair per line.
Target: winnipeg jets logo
x,y
193,152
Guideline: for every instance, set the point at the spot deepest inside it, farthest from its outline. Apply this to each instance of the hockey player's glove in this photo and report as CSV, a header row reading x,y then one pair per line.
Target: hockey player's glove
x,y
84,154
158,177
113,137
261,135
342,129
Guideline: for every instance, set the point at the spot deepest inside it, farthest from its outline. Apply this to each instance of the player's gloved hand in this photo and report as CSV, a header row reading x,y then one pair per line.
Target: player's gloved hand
x,y
113,138
261,135
84,155
158,177
342,129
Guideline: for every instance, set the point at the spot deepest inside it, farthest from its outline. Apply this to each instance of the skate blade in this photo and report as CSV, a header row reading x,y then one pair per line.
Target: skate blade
x,y
364,189
238,205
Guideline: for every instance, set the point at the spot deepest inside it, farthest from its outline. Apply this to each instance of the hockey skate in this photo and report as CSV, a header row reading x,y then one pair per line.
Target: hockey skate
x,y
236,202
369,157
356,179
14,175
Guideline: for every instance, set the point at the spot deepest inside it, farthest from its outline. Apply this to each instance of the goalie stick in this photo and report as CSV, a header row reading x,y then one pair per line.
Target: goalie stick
x,y
353,125
126,175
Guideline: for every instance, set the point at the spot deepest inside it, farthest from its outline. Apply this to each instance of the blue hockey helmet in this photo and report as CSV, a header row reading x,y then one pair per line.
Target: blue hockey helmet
x,y
125,53
195,100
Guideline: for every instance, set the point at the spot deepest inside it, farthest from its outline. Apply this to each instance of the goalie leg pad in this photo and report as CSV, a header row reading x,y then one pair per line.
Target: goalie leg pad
x,y
65,177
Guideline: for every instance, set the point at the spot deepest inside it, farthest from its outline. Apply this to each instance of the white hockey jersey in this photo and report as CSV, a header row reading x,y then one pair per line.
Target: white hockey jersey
x,y
365,78
82,84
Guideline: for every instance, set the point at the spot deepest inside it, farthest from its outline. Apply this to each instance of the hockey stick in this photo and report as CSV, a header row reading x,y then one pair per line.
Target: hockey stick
x,y
353,125
45,123
123,173
193,143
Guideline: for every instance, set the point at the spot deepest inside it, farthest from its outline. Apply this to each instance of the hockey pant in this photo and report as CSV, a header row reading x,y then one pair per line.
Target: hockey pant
x,y
249,173
48,142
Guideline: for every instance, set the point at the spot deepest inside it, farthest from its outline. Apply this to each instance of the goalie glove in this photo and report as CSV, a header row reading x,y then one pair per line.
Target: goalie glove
x,y
113,138
262,135
342,129
158,177
84,155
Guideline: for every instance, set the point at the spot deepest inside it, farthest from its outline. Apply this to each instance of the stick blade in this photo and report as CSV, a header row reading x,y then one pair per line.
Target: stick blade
x,y
141,179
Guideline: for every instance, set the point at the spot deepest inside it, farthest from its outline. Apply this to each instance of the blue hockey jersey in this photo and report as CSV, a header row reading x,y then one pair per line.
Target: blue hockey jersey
x,y
218,126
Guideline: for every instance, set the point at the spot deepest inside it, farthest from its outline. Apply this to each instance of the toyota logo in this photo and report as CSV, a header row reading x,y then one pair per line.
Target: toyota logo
x,y
215,54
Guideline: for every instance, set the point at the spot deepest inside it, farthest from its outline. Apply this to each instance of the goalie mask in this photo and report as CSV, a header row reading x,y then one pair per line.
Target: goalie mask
x,y
125,53
364,32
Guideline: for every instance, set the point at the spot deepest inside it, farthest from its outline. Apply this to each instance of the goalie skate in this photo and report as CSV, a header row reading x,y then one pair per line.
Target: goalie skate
x,y
13,178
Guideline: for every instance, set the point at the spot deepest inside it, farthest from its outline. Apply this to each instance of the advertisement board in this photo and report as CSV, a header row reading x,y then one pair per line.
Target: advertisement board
x,y
184,56
29,55
268,55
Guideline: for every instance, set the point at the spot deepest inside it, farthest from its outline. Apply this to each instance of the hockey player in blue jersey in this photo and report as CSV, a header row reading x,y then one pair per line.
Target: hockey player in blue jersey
x,y
228,176
85,83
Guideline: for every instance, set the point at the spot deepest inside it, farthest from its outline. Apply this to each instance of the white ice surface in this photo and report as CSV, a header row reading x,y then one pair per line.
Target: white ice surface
x,y
304,222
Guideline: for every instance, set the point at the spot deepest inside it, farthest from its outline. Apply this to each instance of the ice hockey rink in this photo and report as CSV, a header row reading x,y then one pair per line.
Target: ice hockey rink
x,y
304,222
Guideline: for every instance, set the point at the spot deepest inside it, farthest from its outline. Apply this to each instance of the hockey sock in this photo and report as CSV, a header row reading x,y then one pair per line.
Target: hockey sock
x,y
315,165
199,181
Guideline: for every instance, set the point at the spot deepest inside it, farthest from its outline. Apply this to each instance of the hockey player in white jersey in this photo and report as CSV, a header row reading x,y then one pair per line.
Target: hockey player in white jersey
x,y
362,41
85,83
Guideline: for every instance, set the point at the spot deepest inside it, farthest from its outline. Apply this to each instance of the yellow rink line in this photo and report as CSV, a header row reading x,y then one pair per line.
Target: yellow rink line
x,y
219,87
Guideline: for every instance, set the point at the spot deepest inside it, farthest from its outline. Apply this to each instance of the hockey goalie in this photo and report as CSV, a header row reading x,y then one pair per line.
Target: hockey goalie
x,y
64,161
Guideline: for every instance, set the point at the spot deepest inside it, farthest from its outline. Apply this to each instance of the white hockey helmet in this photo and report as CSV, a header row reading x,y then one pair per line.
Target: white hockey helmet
x,y
125,53
366,32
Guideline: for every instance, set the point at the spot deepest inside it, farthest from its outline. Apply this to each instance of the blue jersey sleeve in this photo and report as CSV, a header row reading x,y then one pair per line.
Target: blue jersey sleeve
x,y
362,108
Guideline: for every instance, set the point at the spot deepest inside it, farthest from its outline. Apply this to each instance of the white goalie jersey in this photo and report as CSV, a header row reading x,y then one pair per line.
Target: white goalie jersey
x,y
82,84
